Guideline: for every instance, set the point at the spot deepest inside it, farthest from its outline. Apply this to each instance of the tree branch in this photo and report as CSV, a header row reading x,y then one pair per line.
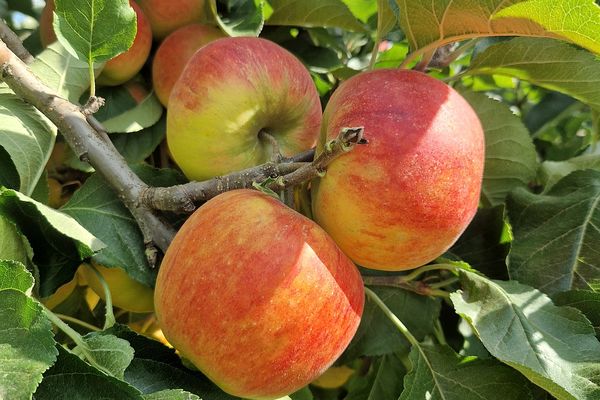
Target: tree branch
x,y
183,198
14,43
87,142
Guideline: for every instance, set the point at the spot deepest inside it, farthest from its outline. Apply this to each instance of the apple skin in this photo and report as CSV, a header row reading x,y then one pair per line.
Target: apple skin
x,y
123,67
166,16
173,54
257,296
229,91
47,35
404,198
125,292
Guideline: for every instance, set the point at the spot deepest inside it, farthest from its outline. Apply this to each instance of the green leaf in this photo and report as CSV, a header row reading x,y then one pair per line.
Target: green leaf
x,y
14,275
59,243
384,381
136,147
586,301
26,338
173,394
313,13
510,156
547,63
96,207
243,18
67,76
72,378
484,244
438,373
13,245
95,31
107,351
435,23
26,136
362,9
376,335
157,367
554,347
9,176
123,113
556,234
551,172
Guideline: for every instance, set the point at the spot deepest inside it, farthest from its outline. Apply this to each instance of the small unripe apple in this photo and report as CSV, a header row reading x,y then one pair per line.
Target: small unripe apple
x,y
123,67
173,54
166,16
231,90
404,198
125,292
257,296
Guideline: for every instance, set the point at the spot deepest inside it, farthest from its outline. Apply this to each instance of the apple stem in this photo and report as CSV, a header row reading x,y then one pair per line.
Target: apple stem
x,y
431,267
265,136
109,319
392,317
78,322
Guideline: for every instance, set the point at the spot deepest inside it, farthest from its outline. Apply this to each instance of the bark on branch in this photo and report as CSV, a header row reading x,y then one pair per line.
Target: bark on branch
x,y
88,139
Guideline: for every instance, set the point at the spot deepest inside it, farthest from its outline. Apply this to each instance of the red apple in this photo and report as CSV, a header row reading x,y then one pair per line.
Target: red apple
x,y
174,53
166,16
403,199
230,91
124,66
257,296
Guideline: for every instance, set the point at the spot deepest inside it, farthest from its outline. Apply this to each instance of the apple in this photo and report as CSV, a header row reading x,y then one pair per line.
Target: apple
x,y
405,198
123,67
230,91
47,35
174,53
166,16
257,296
125,292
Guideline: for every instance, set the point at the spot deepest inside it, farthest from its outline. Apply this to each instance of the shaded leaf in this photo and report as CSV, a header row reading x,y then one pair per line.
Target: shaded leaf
x,y
438,373
95,31
510,156
72,378
547,63
376,335
586,301
243,18
9,176
485,243
311,13
96,207
554,347
26,136
550,172
136,147
13,245
59,243
556,235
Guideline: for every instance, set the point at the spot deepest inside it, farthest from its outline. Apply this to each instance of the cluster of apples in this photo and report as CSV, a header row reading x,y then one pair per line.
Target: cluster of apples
x,y
260,298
